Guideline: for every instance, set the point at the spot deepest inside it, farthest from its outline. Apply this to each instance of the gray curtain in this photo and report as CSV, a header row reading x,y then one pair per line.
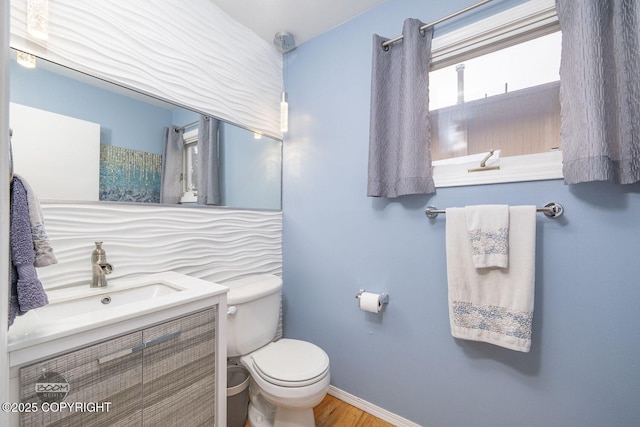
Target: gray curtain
x,y
399,132
208,164
600,90
171,181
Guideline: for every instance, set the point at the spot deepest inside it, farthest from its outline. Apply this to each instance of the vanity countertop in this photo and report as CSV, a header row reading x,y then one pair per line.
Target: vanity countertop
x,y
81,315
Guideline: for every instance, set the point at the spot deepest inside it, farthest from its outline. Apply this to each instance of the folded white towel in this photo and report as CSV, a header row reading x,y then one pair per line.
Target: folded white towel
x,y
488,227
493,305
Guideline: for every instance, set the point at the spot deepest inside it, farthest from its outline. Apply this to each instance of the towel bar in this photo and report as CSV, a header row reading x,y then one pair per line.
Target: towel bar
x,y
552,210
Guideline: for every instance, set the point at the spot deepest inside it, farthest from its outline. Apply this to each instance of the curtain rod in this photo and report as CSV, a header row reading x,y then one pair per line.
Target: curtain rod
x,y
438,21
186,126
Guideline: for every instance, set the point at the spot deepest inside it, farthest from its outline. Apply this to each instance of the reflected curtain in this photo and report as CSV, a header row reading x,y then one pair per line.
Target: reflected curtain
x,y
600,90
208,163
399,130
171,181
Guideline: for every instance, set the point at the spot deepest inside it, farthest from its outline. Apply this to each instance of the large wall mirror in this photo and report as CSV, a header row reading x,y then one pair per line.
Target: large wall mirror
x,y
79,138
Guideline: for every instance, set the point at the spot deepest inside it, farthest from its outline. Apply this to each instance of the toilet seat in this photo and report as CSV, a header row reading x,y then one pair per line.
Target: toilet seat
x,y
290,363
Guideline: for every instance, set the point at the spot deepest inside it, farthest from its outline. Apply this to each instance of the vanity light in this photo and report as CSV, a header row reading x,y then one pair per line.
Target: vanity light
x,y
284,113
38,19
284,42
256,135
26,59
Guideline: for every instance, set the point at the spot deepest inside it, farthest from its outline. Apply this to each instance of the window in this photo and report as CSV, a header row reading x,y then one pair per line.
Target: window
x,y
494,86
506,100
190,167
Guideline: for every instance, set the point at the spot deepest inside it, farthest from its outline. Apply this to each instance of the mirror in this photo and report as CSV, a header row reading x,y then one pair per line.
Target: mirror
x,y
80,138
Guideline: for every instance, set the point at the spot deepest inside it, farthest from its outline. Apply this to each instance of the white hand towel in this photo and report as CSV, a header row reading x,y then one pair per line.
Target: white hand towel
x,y
488,228
493,305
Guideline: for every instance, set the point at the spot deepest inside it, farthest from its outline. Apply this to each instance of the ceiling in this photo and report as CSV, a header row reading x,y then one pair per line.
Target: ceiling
x,y
304,19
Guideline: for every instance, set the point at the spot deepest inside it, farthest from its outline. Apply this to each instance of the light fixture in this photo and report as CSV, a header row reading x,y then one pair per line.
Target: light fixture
x,y
257,135
284,42
38,19
25,59
284,113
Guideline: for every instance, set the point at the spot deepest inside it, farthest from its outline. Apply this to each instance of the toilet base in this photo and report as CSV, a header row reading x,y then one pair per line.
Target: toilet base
x,y
283,418
294,418
257,418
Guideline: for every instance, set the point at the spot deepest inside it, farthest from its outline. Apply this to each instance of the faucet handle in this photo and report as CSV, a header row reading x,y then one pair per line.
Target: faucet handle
x,y
98,253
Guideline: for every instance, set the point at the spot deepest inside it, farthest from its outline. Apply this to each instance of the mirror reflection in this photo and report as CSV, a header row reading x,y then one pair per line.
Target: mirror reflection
x,y
79,138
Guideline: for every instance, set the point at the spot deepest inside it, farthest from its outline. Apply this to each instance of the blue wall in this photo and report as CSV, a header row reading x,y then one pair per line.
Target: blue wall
x,y
583,368
251,170
124,122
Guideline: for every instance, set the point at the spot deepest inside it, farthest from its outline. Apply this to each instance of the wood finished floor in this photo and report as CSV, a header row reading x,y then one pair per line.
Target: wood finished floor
x,y
333,412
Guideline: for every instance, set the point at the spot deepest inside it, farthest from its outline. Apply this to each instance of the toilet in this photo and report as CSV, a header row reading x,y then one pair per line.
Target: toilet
x,y
288,377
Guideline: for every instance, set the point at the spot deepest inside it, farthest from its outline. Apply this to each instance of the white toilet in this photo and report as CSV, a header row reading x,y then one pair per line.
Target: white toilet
x,y
288,377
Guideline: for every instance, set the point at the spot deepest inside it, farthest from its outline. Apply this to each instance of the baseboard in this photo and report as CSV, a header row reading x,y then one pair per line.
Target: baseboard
x,y
370,408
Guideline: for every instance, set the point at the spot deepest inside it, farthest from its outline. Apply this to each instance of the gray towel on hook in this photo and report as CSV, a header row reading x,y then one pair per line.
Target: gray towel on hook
x,y
26,290
399,133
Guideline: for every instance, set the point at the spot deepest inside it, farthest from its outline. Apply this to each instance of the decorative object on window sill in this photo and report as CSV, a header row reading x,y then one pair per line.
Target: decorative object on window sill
x,y
189,197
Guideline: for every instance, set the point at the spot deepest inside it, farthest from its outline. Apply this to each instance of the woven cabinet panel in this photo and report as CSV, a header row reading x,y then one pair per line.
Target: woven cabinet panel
x,y
179,373
118,382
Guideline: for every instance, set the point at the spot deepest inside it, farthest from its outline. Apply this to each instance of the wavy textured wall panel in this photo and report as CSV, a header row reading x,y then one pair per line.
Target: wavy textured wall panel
x,y
208,243
189,52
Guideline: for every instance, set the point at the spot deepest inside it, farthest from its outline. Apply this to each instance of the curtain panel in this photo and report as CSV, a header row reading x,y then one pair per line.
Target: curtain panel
x,y
600,90
399,133
171,180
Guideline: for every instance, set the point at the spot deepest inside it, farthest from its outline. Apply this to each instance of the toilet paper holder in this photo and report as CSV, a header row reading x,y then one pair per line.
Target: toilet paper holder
x,y
384,298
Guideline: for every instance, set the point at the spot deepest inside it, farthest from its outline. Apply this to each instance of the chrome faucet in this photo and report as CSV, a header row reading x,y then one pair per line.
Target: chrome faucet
x,y
99,267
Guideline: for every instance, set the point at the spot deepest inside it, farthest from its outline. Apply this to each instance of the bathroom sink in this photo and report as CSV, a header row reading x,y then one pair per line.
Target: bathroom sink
x,y
101,299
81,314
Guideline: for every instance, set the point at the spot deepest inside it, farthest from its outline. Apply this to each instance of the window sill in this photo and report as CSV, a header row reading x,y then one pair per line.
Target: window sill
x,y
531,167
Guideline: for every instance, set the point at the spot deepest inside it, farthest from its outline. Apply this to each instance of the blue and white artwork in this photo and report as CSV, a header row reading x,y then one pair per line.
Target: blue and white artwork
x,y
129,175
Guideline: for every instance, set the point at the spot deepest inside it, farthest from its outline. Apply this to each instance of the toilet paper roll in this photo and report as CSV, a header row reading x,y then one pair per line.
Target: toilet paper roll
x,y
370,302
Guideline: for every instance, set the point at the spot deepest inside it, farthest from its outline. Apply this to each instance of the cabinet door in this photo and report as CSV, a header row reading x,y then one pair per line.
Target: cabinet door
x,y
179,372
109,372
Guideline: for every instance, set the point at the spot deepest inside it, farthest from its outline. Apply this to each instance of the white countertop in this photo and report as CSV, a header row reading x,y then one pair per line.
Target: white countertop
x,y
32,337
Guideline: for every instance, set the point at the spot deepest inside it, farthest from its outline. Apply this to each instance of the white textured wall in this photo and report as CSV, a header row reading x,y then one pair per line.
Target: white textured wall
x,y
188,51
209,243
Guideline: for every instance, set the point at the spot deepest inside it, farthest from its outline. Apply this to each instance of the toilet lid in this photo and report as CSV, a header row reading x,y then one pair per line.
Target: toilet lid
x,y
290,362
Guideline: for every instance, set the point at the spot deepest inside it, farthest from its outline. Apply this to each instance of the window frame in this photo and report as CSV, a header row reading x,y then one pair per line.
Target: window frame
x,y
521,23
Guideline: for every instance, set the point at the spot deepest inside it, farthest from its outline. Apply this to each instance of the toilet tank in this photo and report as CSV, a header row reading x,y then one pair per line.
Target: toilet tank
x,y
253,312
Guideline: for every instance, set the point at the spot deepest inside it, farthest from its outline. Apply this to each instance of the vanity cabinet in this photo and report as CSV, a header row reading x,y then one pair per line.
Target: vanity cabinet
x,y
178,375
161,375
